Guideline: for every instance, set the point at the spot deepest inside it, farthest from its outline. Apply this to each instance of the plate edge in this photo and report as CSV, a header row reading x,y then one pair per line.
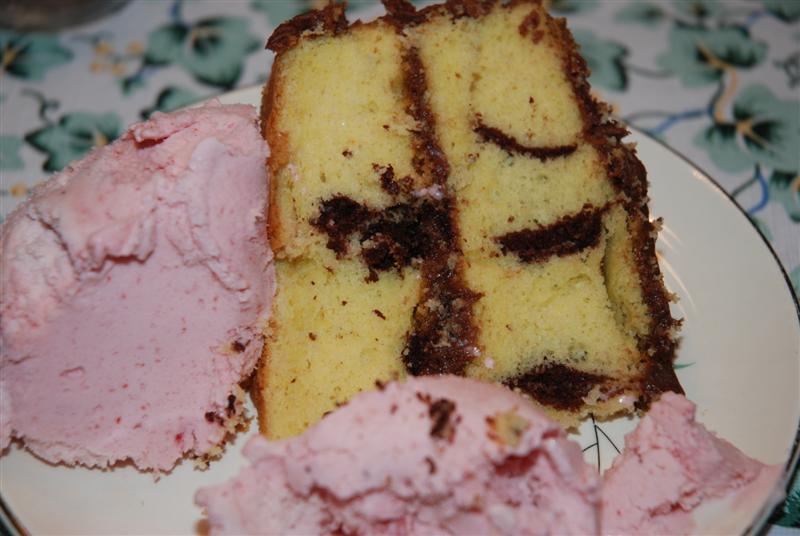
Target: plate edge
x,y
791,465
9,524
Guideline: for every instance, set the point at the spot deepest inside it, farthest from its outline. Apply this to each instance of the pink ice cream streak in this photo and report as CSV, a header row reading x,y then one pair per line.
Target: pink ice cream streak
x,y
431,455
671,466
134,288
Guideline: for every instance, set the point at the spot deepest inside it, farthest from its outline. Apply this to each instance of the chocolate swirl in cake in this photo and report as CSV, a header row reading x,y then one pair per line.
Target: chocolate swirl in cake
x,y
421,231
443,338
389,239
569,234
511,145
557,385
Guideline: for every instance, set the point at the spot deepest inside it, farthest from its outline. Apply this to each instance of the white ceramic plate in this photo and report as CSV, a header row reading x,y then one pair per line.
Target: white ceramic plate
x,y
740,347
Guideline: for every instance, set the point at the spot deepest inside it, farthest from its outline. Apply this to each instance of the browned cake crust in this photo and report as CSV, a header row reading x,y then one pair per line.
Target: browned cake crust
x,y
625,171
628,175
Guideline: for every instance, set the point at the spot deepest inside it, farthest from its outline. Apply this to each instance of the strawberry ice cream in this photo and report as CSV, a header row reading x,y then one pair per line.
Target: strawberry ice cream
x,y
447,455
432,455
135,285
671,466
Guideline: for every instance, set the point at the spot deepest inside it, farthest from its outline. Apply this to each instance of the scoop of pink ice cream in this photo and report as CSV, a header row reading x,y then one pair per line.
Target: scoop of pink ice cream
x,y
134,288
670,466
432,455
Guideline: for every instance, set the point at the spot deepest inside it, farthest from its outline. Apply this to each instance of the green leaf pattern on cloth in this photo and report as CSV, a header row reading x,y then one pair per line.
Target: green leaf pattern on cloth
x,y
30,56
786,10
74,135
171,98
278,11
646,13
764,130
212,50
699,9
784,188
566,7
789,515
605,59
700,56
129,84
9,153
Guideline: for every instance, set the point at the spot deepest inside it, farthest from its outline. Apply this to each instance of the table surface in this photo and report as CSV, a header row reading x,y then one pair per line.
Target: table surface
x,y
716,80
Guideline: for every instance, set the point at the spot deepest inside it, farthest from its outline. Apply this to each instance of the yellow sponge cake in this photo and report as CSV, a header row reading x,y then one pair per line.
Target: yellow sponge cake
x,y
448,199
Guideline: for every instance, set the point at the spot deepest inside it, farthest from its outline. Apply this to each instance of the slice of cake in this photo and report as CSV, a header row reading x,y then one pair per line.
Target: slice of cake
x,y
448,198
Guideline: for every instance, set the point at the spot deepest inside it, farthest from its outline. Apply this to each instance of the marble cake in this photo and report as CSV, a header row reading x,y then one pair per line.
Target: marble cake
x,y
447,198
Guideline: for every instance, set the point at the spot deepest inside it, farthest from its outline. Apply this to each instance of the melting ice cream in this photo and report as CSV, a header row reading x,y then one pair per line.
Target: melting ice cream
x,y
134,287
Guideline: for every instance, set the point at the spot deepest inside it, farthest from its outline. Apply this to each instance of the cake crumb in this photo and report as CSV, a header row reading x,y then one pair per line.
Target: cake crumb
x,y
443,427
431,465
507,428
293,172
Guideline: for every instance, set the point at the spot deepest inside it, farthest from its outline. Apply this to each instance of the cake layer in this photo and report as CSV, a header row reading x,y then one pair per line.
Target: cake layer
x,y
469,189
331,338
339,117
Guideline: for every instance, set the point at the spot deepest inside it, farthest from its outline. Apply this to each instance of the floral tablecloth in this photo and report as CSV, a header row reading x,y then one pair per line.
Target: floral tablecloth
x,y
718,81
